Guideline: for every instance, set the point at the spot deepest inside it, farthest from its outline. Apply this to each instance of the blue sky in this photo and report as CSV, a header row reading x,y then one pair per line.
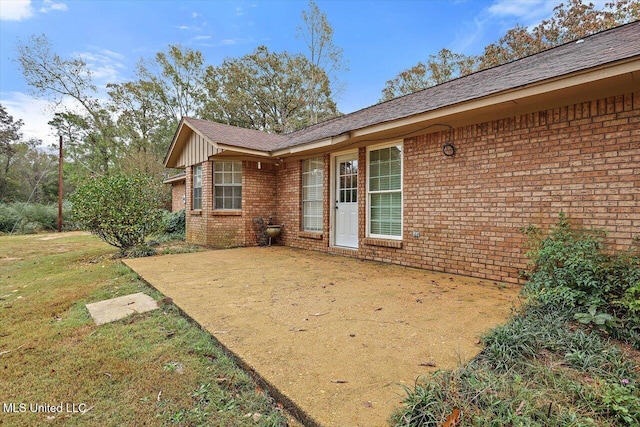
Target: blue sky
x,y
380,38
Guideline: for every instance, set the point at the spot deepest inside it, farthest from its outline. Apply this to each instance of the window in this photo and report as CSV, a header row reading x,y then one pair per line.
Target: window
x,y
197,187
227,184
385,192
312,190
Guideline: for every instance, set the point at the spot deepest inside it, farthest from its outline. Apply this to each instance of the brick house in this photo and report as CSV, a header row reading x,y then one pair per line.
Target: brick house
x,y
443,179
178,185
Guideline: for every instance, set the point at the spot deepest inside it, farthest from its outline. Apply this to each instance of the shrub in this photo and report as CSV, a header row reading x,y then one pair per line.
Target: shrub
x,y
574,273
120,209
174,223
542,368
26,218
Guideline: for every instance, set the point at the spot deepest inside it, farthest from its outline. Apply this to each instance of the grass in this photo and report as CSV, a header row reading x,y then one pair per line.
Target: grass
x,y
555,362
539,369
155,368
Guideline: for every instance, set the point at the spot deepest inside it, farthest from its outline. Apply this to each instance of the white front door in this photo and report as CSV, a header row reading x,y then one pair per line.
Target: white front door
x,y
346,203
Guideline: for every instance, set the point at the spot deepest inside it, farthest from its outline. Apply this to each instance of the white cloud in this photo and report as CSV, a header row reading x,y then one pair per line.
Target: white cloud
x,y
34,112
18,10
15,10
105,65
228,42
496,19
524,12
50,5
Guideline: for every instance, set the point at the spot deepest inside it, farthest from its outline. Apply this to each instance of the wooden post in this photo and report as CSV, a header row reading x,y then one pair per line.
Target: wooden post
x,y
60,188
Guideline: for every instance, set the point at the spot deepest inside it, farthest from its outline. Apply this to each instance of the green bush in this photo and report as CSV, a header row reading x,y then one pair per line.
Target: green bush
x,y
574,273
27,218
120,209
174,223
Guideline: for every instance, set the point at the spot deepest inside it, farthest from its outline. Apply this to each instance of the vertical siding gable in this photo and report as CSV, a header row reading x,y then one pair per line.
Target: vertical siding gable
x,y
196,150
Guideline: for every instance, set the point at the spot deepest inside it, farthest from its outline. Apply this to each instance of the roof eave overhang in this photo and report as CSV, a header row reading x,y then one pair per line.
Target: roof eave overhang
x,y
171,156
508,99
313,145
498,105
624,73
234,150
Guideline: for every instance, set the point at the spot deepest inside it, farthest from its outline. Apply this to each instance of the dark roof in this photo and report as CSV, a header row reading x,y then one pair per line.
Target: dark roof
x,y
609,46
238,137
601,48
181,176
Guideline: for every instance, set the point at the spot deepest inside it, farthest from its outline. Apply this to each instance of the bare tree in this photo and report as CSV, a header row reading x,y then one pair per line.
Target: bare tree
x,y
325,57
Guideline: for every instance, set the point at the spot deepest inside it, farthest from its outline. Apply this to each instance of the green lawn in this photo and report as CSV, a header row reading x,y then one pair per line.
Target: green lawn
x,y
155,368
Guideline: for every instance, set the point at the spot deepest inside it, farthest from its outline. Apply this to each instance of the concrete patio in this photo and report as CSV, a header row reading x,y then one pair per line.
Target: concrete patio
x,y
333,337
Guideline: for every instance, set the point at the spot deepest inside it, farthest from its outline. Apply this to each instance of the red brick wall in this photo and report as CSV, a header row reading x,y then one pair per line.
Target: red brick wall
x,y
259,197
289,207
468,210
223,229
177,196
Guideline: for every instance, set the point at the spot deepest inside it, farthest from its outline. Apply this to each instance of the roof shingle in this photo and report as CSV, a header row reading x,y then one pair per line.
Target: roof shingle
x,y
599,49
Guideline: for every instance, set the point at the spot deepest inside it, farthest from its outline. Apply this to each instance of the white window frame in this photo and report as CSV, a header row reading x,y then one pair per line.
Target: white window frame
x,y
196,172
306,202
369,192
217,172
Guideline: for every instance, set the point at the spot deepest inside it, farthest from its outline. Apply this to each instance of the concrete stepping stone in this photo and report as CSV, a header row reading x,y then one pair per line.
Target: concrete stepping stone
x,y
118,308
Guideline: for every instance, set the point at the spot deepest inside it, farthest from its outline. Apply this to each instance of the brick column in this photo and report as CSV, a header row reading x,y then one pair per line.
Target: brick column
x,y
207,187
188,189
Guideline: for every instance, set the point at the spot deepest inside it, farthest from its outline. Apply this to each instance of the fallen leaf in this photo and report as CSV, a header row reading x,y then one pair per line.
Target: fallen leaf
x,y
453,419
339,381
430,364
256,417
378,309
368,404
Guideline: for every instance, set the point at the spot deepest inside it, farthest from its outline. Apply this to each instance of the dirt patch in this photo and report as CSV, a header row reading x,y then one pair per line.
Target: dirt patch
x,y
337,336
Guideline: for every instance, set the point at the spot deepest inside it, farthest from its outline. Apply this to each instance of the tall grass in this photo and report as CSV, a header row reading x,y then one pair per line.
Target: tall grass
x,y
29,218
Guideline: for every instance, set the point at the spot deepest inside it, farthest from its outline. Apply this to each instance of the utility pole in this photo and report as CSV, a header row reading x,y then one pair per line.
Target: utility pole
x,y
60,188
